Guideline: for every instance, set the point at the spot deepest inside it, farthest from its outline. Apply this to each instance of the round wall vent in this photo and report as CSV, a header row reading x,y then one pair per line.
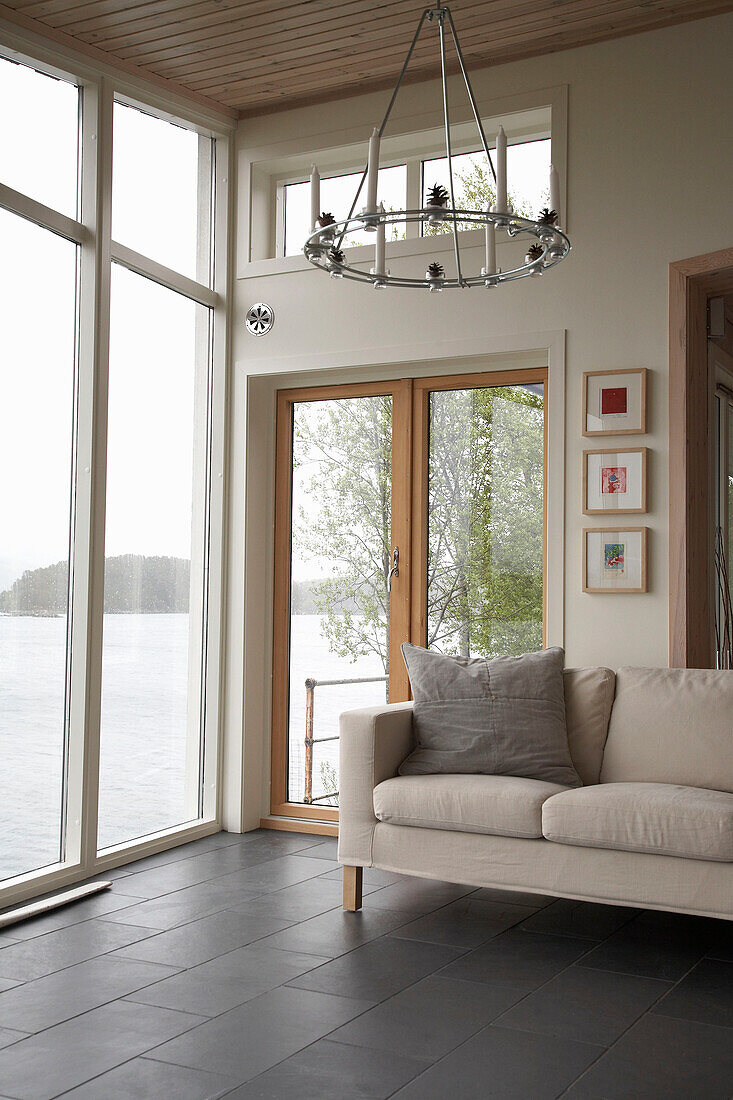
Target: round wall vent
x,y
260,319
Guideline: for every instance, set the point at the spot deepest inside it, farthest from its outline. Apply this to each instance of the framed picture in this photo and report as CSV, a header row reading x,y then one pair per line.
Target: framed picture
x,y
614,481
614,402
614,560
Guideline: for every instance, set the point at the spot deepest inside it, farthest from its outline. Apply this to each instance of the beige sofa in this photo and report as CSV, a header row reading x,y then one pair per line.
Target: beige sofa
x,y
652,825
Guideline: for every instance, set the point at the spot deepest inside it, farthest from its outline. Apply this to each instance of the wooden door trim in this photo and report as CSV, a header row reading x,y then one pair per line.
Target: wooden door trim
x,y
420,457
484,380
401,391
422,388
691,283
399,601
409,530
281,601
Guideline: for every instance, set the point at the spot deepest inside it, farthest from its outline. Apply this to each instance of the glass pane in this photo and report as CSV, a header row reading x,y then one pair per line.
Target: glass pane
x,y
36,396
485,520
339,613
154,575
337,195
39,127
528,179
161,191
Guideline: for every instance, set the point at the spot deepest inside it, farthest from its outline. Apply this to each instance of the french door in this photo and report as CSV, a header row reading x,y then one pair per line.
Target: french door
x,y
410,510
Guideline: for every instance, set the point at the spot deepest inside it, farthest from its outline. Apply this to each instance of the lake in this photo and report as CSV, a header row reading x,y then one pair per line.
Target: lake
x,y
144,711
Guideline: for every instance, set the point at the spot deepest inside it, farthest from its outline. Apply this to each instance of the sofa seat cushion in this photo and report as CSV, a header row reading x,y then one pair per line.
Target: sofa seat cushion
x,y
503,805
660,818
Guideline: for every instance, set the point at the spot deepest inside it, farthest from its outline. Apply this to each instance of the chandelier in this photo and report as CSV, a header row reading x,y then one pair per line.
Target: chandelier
x,y
546,242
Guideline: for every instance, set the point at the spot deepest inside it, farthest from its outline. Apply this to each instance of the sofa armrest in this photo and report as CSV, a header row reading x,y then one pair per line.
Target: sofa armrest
x,y
373,743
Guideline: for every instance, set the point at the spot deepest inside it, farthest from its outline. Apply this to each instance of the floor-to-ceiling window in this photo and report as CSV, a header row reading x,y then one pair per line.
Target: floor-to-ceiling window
x,y
153,689
112,368
38,292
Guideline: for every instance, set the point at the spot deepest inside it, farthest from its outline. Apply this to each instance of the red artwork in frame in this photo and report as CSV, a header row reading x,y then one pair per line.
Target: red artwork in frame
x,y
614,401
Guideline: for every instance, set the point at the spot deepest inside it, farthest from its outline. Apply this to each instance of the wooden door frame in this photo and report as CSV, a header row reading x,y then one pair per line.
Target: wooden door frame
x,y
409,532
401,391
422,388
691,283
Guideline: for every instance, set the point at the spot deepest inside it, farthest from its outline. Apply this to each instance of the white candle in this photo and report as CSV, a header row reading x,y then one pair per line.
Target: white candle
x,y
555,191
315,196
379,247
372,173
501,171
490,268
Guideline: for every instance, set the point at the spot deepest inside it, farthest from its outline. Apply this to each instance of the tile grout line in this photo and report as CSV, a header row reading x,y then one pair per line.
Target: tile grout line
x,y
647,1011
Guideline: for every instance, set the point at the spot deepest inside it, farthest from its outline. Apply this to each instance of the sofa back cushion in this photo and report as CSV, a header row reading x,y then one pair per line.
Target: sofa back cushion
x,y
671,725
588,702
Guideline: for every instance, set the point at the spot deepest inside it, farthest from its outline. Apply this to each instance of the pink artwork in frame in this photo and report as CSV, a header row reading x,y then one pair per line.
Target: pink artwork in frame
x,y
613,479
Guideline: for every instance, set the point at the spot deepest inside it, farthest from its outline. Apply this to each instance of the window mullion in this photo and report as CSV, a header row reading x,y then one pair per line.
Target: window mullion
x,y
414,196
212,800
26,207
159,273
89,518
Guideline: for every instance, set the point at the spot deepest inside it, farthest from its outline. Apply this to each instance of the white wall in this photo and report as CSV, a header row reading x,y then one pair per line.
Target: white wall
x,y
650,153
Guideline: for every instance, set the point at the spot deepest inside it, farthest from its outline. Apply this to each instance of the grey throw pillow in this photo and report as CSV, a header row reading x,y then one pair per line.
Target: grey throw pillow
x,y
504,716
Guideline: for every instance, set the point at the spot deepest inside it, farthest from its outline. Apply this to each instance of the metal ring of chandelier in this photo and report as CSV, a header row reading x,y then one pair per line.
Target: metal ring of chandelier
x,y
323,242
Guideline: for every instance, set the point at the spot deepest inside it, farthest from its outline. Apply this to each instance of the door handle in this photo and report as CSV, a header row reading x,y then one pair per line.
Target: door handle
x,y
395,570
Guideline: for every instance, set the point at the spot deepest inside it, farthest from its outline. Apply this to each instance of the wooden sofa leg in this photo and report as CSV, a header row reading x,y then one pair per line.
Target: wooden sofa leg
x,y
352,888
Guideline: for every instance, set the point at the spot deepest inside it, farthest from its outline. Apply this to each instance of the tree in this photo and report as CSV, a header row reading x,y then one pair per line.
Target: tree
x,y
346,518
474,190
485,519
133,585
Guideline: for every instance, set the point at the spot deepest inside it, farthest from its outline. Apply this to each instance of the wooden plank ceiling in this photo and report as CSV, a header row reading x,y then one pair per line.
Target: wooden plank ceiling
x,y
253,56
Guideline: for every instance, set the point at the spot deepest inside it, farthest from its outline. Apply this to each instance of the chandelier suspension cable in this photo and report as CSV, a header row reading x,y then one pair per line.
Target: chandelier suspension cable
x,y
469,89
385,120
440,15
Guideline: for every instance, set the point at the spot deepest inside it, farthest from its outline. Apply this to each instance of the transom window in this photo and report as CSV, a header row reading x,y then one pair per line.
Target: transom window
x,y
337,194
404,186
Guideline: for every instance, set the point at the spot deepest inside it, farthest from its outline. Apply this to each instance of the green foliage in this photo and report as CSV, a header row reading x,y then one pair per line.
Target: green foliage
x,y
133,585
349,444
485,520
330,782
474,190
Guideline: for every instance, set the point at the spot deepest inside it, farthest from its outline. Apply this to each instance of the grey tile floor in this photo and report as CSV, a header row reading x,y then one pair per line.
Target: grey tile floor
x,y
227,968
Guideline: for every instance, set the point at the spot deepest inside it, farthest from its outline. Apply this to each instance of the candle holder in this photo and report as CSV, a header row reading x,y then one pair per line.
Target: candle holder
x,y
370,220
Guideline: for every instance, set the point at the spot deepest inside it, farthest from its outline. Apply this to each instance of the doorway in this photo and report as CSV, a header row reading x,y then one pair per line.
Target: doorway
x,y
691,458
411,510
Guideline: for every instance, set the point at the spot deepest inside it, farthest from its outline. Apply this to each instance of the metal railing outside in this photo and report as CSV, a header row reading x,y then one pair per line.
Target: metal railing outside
x,y
310,687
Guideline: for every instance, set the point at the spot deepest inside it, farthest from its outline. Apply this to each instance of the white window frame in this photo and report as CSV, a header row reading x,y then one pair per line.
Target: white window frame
x,y
265,173
282,183
91,232
415,185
